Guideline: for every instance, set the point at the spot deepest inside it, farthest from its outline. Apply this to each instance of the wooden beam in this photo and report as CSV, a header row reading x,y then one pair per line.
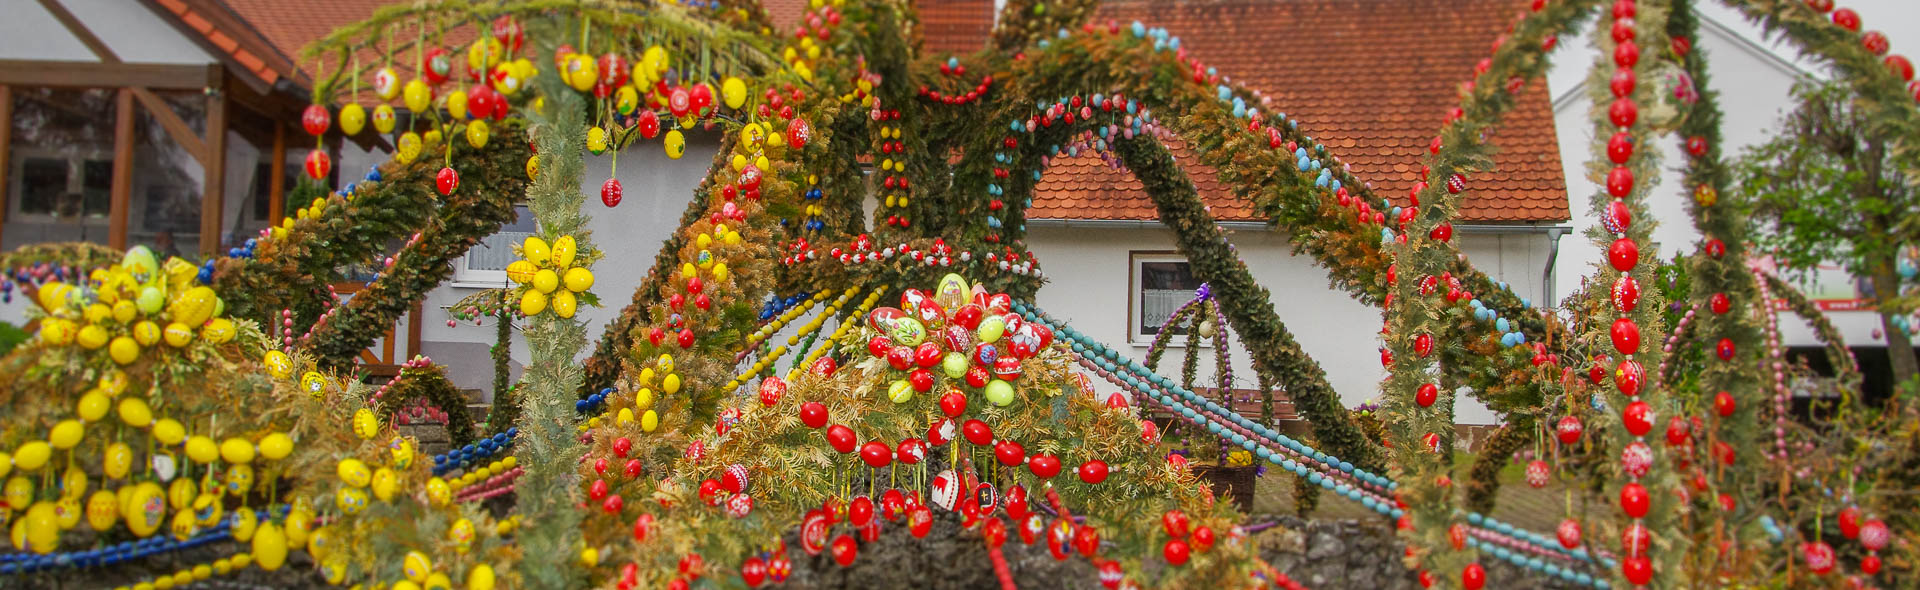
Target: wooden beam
x,y
213,201
413,331
122,201
6,147
176,127
79,29
277,182
80,74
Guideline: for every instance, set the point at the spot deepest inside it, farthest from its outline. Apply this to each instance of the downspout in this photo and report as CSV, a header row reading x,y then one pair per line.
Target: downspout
x,y
1553,254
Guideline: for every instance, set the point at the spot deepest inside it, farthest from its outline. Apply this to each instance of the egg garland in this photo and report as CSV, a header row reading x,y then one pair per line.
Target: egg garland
x,y
549,277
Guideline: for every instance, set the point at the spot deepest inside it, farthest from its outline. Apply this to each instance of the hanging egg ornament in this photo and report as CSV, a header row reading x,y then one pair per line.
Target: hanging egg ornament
x,y
477,134
446,181
676,144
597,140
318,165
611,192
384,119
408,147
418,96
581,72
733,91
386,83
315,120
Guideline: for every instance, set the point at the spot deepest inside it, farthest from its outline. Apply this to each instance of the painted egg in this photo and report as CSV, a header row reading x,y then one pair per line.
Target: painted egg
x,y
403,451
385,483
244,524
42,528
117,460
386,83
365,425
353,472
207,509
240,479
461,533
536,250
733,91
314,383
103,510
19,491
438,491
133,411
563,252
676,144
1626,293
418,96
353,118
533,302
477,134
278,364
269,547
177,334
384,119
181,492
351,500
144,509
907,332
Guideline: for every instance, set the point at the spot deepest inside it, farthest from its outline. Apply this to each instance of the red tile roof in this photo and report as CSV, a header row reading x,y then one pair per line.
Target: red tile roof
x,y
1369,78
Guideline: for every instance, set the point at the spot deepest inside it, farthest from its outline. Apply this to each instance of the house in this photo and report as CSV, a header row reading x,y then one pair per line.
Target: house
x,y
1754,74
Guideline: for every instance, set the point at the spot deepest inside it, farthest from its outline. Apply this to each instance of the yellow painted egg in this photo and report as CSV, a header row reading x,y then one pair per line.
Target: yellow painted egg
x,y
117,460
194,306
314,383
32,455
18,533
385,483
276,446
418,95
94,405
383,118
19,491
240,479
407,148
124,311
649,421
56,331
103,510
665,362
73,483
53,296
597,140
563,252
68,512
720,271
578,279
437,581
533,167
431,137
405,585
626,100
545,280
124,350
365,424
182,527
146,333
218,331
564,303
656,60
581,72
461,533
505,79
533,302
438,491
354,473
236,451
320,544
207,509
278,364
734,92
403,451
181,492
535,250
92,337
245,523
169,431
484,53
299,526
754,134
269,547
43,528
416,566
66,434
590,557
177,335
520,271
386,83
202,449
353,118
477,134
144,509
676,144
457,104
97,313
351,500
624,416
480,577
671,384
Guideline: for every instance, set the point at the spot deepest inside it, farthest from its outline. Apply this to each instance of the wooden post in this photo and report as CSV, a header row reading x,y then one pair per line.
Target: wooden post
x,y
213,203
277,184
121,204
6,148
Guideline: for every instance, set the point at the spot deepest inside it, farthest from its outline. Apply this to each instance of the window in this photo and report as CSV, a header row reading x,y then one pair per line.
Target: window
x,y
58,187
1160,282
485,265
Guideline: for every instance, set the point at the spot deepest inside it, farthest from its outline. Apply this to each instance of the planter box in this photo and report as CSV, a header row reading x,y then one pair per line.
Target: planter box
x,y
1230,483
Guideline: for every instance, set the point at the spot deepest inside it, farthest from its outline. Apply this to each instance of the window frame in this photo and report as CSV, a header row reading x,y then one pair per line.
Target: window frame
x,y
1136,333
76,172
475,278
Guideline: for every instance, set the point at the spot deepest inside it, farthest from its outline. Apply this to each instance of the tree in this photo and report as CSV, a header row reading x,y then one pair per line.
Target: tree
x,y
1826,188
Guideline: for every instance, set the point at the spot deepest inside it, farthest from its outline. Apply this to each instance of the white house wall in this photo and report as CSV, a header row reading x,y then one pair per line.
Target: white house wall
x,y
657,192
132,30
1754,77
1087,270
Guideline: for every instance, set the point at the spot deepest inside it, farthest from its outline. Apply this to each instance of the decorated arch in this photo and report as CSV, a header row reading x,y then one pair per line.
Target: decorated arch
x,y
796,379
